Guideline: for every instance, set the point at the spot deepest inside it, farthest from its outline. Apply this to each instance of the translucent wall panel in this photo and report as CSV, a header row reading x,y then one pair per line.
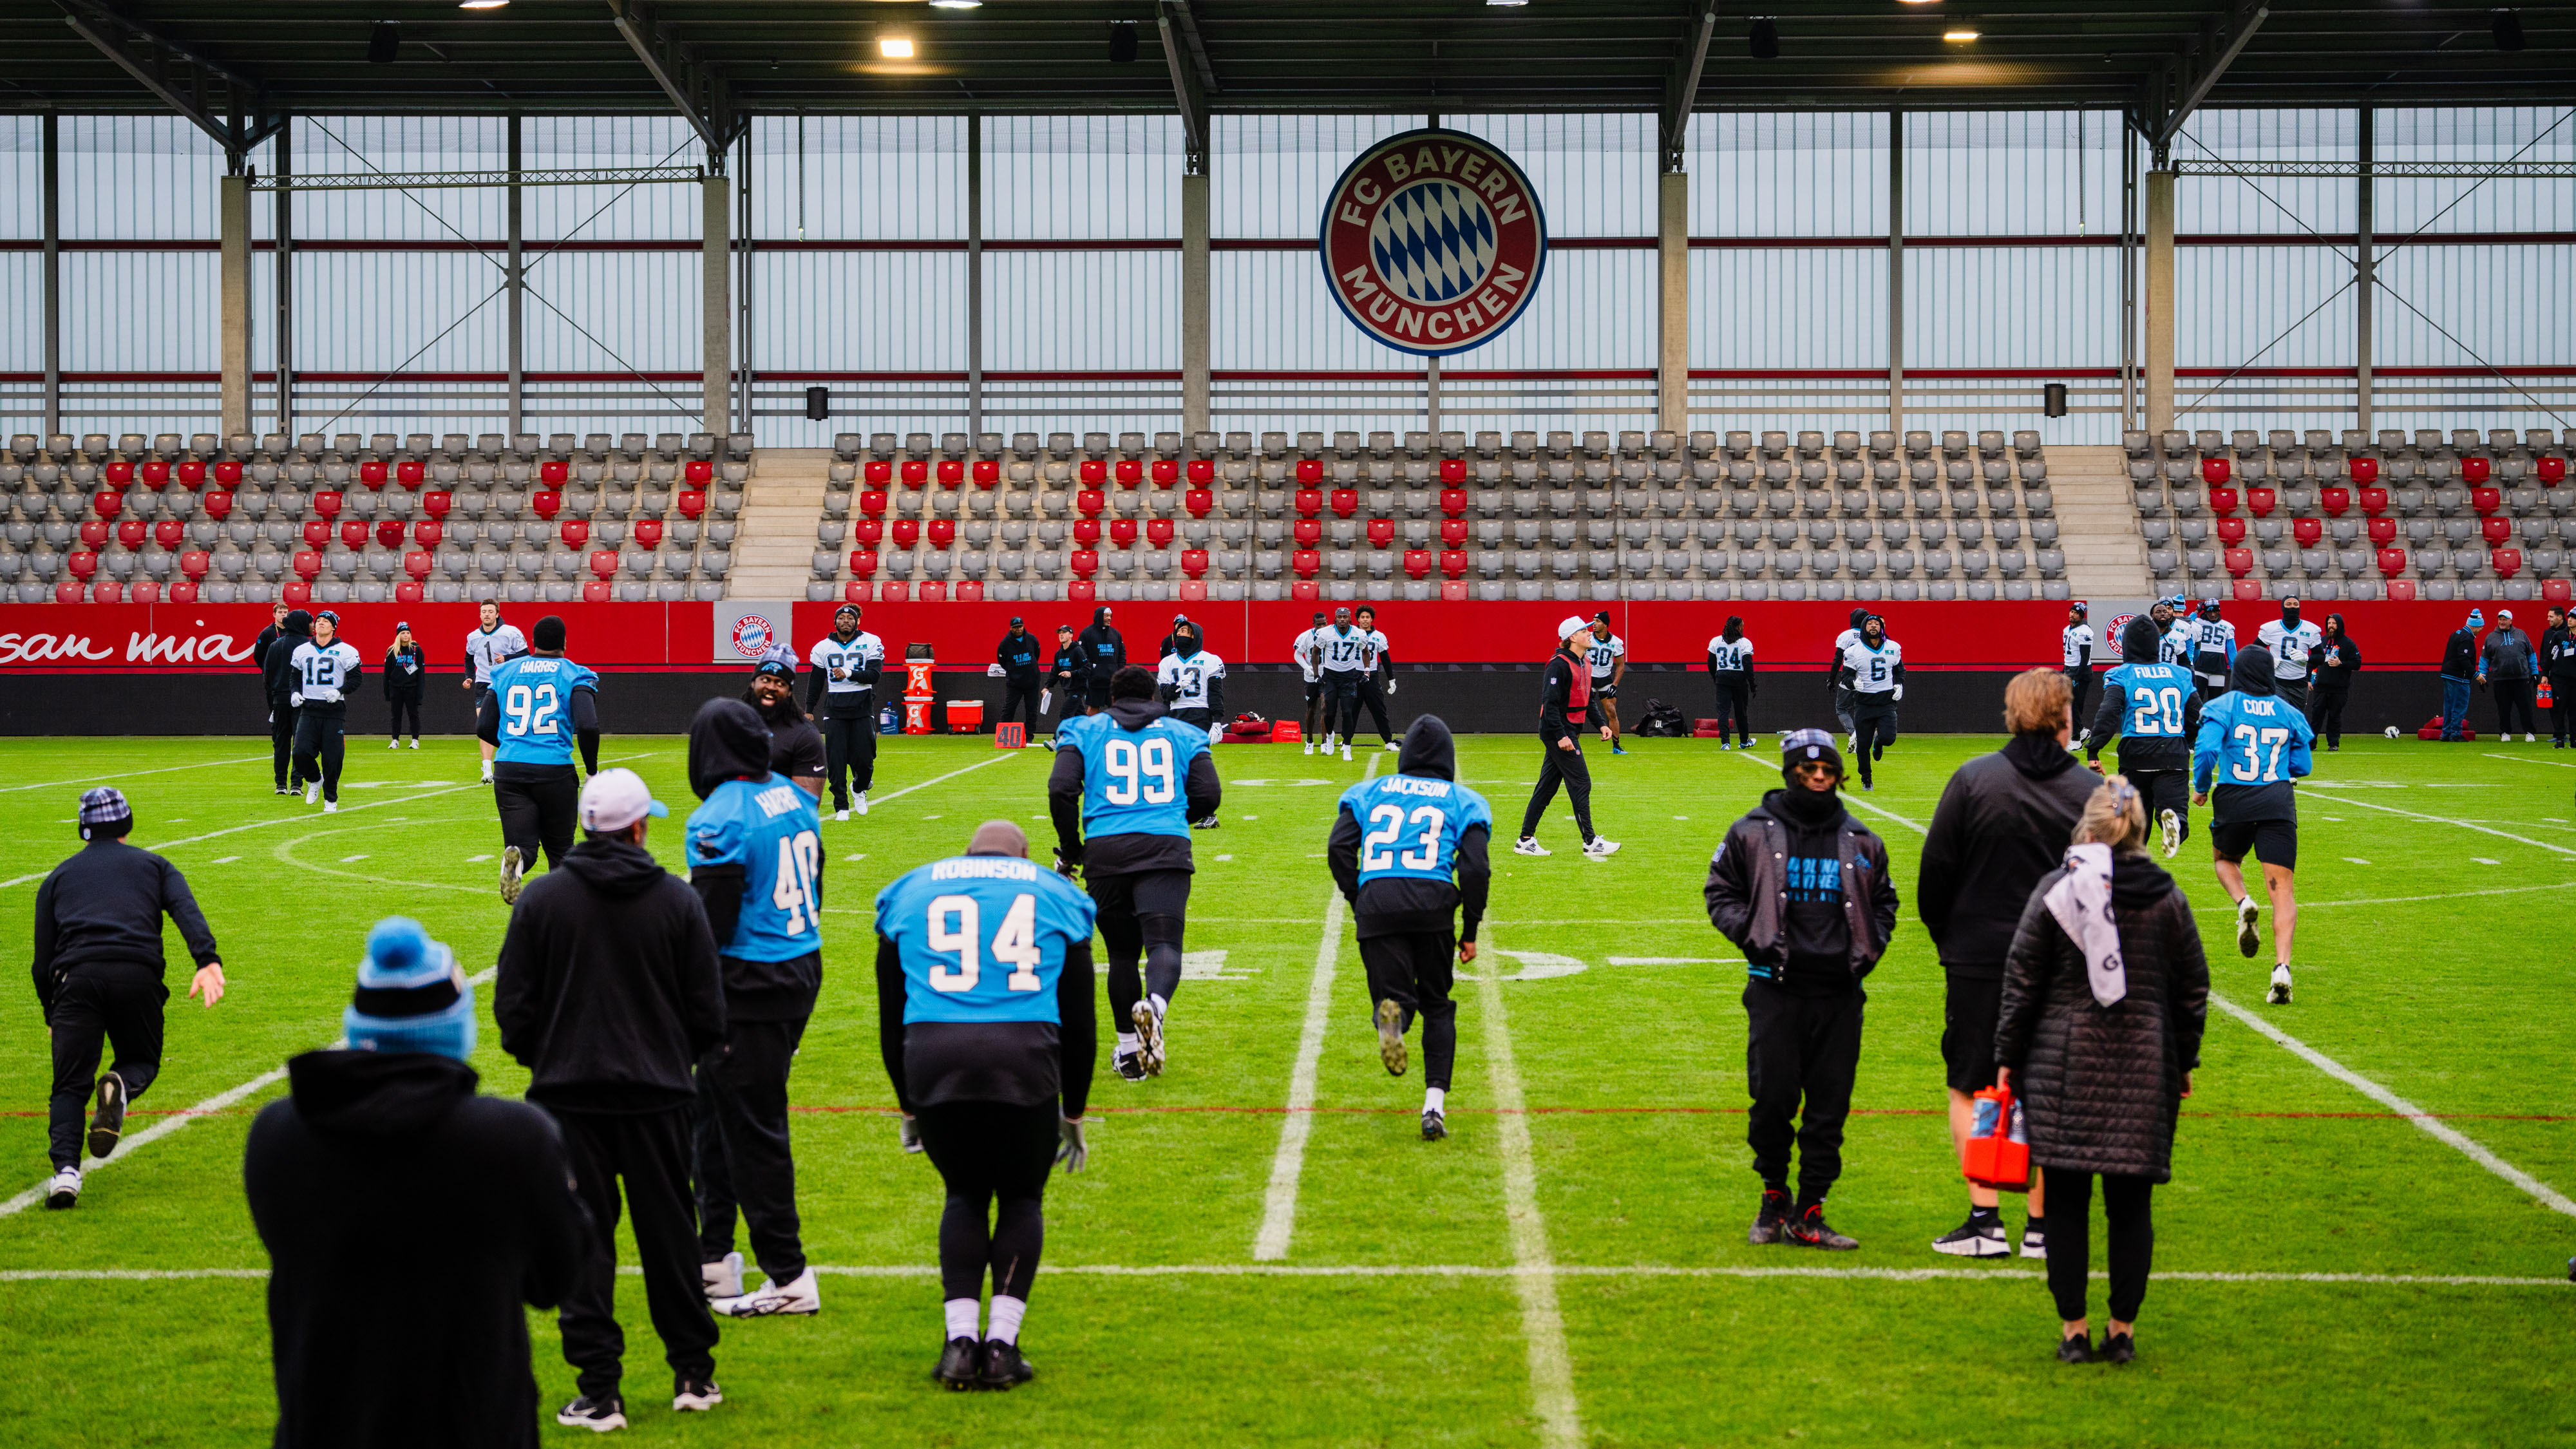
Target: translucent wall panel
x,y
22,176
2473,306
1987,173
2295,206
2262,306
1793,308
136,177
1268,176
416,311
657,210
22,343
2012,307
1086,177
1594,175
22,299
859,311
822,178
1594,308
614,311
358,145
1272,312
1788,175
139,311
2475,137
1107,311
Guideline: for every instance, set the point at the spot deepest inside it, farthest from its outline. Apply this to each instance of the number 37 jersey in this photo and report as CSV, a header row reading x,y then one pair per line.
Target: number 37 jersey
x,y
770,829
1410,824
982,937
1134,782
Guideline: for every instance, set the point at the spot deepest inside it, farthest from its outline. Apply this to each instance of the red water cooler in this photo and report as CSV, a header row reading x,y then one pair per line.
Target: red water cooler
x,y
918,697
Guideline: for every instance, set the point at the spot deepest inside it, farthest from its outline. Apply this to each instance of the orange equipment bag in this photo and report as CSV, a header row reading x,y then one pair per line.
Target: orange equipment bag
x,y
1998,1154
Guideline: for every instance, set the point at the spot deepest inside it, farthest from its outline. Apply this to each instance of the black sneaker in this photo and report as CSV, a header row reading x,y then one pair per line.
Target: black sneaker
x,y
1130,1066
1003,1367
1974,1239
2075,1348
109,1123
690,1396
958,1363
598,1415
2118,1348
1768,1222
1810,1230
1434,1125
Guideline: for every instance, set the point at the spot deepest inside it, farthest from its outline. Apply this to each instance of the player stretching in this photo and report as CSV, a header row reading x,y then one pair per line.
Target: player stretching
x,y
1345,656
1377,678
324,667
538,705
1308,650
846,665
2255,743
1132,779
1394,848
2151,709
1607,654
491,642
1872,677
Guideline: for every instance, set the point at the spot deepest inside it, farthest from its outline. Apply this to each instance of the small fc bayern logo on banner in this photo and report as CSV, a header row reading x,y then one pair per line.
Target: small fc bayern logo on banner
x,y
752,635
1433,242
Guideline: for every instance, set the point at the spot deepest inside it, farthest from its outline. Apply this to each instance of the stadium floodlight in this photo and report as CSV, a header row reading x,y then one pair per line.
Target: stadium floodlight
x,y
1764,40
481,4
1507,4
895,47
956,4
1958,35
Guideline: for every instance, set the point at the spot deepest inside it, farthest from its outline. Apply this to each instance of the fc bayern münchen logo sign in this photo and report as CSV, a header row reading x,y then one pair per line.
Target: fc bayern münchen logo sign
x,y
1433,242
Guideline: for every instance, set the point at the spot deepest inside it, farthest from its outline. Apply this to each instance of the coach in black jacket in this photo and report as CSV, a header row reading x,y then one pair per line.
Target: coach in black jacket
x,y
1566,708
1801,888
608,993
1018,657
1100,652
277,677
2003,822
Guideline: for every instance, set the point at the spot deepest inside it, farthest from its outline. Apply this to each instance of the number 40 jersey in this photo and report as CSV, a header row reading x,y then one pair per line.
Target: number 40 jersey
x,y
770,829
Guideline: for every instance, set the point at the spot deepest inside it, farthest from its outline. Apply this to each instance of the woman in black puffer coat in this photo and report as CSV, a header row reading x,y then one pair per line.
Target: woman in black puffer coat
x,y
2101,1084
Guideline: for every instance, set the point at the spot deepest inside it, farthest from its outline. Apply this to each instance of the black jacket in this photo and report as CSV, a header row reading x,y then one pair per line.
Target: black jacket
x,y
277,666
1100,651
2460,654
1402,907
608,989
1201,795
2101,1085
1747,888
2003,822
406,671
1018,654
410,1224
101,911
2139,643
2507,654
1556,687
2558,654
728,741
1022,1063
2334,662
1066,672
795,746
260,646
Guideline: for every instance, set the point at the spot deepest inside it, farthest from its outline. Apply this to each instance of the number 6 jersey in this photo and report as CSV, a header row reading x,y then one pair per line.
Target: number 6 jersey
x,y
768,828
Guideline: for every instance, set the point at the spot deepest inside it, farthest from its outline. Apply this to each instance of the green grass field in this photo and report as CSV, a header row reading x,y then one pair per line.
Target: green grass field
x,y
1569,1267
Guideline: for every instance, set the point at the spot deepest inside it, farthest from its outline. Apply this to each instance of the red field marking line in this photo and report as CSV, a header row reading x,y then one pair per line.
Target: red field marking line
x,y
1261,1110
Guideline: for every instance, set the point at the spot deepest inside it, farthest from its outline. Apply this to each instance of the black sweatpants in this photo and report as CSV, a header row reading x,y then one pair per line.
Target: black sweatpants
x,y
742,1153
1874,723
649,1152
320,745
1141,915
1318,710
2513,698
1020,697
2293,692
1416,971
403,707
108,1003
281,740
1802,1051
849,750
1373,696
995,1158
2128,1208
538,812
1560,767
1341,702
2562,708
1734,703
2164,790
2080,679
2325,710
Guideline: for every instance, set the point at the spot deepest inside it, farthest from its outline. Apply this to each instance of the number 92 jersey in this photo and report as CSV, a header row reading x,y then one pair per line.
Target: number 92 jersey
x,y
770,829
982,937
1134,782
534,693
1410,825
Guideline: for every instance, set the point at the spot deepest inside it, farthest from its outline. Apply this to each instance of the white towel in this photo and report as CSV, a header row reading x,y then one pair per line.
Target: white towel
x,y
2081,902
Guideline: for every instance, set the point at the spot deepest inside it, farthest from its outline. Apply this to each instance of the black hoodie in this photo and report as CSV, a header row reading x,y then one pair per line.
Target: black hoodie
x,y
2336,659
407,1221
727,741
2140,641
277,670
795,746
2003,822
609,990
1400,906
1102,650
1127,854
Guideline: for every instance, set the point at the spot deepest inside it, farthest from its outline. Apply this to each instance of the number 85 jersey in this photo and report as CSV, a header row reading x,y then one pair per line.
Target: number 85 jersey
x,y
1133,780
982,937
770,830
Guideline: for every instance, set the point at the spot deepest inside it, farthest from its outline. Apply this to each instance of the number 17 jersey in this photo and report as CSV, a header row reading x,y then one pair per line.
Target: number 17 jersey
x,y
771,830
1410,824
1134,782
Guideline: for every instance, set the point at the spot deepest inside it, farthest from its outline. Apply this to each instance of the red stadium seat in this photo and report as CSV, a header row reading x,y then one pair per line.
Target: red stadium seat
x,y
1453,533
1309,532
988,473
863,563
1080,591
872,503
2401,591
899,591
553,472
1086,531
1091,473
2551,471
1309,502
409,591
1305,561
228,473
308,564
132,532
2392,562
545,503
596,591
952,472
1201,472
184,593
2307,531
856,592
1122,532
411,473
969,591
69,592
418,563
82,562
2557,591
2246,591
878,473
1305,591
353,532
2240,561
942,532
1310,471
2262,501
2365,471
1193,591
693,503
389,531
2213,471
107,591
648,533
155,474
317,534
2231,531
907,532
871,531
168,532
2485,500
436,503
1453,502
218,504
2495,531
2222,501
375,474
1453,471
2475,470
1165,472
1086,562
1129,472
698,472
2383,531
107,504
1381,532
575,532
1198,501
120,473
1090,502
603,563
327,503
94,534
2507,561
1158,532
428,533
194,564
2374,501
192,475
1194,562
1417,562
146,591
1346,501
2335,501
297,593
1453,591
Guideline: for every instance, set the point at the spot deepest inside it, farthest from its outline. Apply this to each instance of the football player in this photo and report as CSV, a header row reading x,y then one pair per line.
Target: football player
x,y
1872,677
1730,669
2254,743
2291,641
2213,652
1833,673
1308,650
846,665
1607,654
491,642
1191,682
539,705
2075,641
324,666
1377,680
1344,650
2150,708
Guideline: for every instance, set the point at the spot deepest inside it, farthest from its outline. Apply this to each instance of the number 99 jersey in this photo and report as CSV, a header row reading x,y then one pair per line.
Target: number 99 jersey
x,y
1410,824
534,693
982,937
770,829
1134,782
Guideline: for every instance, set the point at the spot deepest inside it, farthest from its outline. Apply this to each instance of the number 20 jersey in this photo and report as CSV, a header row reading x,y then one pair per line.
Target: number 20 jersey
x,y
1410,824
2154,700
771,830
982,937
1134,782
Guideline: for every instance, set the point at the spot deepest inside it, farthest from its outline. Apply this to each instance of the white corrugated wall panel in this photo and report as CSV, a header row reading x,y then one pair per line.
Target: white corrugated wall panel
x,y
132,178
2475,137
1763,174
1273,312
1082,177
1268,176
1109,311
140,311
860,311
22,299
22,177
22,273
2012,307
614,311
1789,308
2504,306
1593,308
417,311
2292,205
625,212
858,177
1594,175
357,145
1986,173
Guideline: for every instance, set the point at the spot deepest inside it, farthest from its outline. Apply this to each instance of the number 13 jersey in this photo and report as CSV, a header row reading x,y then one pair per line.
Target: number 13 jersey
x,y
1410,824
1134,781
769,828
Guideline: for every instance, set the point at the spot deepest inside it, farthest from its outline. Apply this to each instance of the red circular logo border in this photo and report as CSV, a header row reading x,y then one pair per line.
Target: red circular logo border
x,y
1492,155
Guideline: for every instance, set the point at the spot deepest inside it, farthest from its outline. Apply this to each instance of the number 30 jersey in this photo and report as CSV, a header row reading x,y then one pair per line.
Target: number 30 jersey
x,y
534,695
1134,781
982,937
1410,825
771,830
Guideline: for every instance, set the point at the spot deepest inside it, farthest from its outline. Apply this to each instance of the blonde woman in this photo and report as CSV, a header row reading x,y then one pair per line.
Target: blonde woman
x,y
2105,993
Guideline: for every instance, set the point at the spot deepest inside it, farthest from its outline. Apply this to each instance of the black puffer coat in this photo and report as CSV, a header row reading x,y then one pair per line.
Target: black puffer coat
x,y
2101,1085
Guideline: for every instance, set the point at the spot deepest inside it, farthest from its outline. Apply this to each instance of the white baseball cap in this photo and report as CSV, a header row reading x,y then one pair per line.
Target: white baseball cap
x,y
1570,626
616,799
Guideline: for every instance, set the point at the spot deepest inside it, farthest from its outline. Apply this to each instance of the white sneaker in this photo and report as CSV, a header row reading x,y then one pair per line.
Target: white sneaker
x,y
2531,739
2170,824
330,807
2247,938
1310,747
800,1296
840,814
1346,752
696,1398
313,793
64,1190
1528,845
1392,745
1600,847
511,867
2279,995
393,744
862,802
415,742
722,1279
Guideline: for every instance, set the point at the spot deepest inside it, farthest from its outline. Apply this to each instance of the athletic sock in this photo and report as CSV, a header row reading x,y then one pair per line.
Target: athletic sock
x,y
962,1313
1159,1005
1007,1312
1127,1043
1984,1217
1435,1099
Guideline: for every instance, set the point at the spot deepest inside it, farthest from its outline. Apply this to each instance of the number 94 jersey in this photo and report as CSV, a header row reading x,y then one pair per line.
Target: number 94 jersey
x,y
1134,782
982,937
534,693
770,829
1410,824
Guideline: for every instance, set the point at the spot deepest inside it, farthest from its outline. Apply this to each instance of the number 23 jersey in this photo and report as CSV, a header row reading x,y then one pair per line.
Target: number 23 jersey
x,y
982,937
771,830
1134,782
1410,824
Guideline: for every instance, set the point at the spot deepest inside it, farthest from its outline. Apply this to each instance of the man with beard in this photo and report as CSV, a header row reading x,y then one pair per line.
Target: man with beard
x,y
795,746
1102,652
1872,676
846,665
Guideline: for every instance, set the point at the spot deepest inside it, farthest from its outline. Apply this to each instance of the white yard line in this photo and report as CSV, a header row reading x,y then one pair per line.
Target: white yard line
x,y
998,758
131,775
1279,1205
2341,798
2396,900
1849,799
2520,760
1551,1367
136,1141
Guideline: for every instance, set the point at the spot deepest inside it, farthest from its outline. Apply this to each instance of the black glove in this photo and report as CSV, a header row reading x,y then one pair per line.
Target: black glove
x,y
1071,1151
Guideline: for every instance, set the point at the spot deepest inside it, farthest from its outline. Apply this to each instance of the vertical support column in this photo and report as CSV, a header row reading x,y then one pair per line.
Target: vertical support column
x,y
1672,253
516,284
53,278
1896,273
233,286
2365,283
2128,279
2160,301
715,309
1195,314
742,298
282,352
974,274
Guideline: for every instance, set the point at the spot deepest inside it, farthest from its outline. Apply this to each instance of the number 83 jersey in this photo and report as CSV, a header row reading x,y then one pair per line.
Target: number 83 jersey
x,y
770,829
1134,782
1410,824
982,937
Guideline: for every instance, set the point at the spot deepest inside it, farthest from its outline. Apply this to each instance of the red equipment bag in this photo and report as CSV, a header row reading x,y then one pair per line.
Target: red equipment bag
x,y
1998,1154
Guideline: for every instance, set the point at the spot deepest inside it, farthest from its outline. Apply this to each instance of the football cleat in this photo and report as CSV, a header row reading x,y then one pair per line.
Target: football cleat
x,y
1129,1066
1600,847
1974,1240
1002,1367
840,815
415,742
1210,823
109,1123
1392,745
1771,1220
1617,749
330,807
1310,747
1390,1037
511,867
64,1190
799,1295
1149,1037
393,744
1528,845
1434,1126
691,1398
2169,823
2248,940
907,1131
597,1415
722,1278
1810,1230
958,1365
1346,752
2279,993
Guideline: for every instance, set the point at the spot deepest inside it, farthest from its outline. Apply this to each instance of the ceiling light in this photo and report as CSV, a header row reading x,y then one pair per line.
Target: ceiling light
x,y
956,4
480,4
1507,4
1958,35
895,47
1764,40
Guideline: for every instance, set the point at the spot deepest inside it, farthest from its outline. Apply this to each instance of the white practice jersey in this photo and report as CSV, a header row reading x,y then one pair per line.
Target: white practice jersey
x,y
1375,650
840,663
1731,657
1309,653
2077,641
1188,678
2179,643
1345,651
485,648
323,671
2290,647
1604,654
1873,670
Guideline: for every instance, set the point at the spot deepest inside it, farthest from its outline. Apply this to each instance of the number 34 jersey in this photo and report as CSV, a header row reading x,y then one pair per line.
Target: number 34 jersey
x,y
770,829
1410,825
1134,781
982,937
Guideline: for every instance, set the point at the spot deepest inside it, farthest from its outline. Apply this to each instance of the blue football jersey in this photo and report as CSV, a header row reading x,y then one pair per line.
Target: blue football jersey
x,y
1134,782
982,937
535,695
2152,698
2250,740
1410,824
770,829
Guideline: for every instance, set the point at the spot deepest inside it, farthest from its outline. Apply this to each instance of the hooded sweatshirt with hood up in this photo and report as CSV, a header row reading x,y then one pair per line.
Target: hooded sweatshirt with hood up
x,y
1126,854
410,1224
1101,649
2141,646
277,671
1402,906
728,743
2252,744
2003,822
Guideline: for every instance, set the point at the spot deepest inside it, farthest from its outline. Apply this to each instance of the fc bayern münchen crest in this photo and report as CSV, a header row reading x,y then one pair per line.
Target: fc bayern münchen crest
x,y
751,635
1433,242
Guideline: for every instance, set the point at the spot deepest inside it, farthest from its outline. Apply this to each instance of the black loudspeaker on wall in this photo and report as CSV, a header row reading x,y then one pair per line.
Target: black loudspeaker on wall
x,y
818,403
2054,399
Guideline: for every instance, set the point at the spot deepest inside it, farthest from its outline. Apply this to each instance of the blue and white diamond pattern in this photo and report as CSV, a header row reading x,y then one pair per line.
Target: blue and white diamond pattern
x,y
1433,241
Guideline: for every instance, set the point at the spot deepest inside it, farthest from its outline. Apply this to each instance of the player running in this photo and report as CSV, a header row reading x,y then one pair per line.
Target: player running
x,y
538,706
1872,676
1377,680
1730,669
985,1019
1607,655
846,665
1345,651
2075,642
2149,707
324,667
491,642
1131,779
1395,847
1308,650
2212,653
1833,675
2255,743
1191,682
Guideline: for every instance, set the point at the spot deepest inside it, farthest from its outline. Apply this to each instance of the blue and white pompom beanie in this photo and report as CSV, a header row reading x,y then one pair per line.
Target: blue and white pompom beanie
x,y
412,996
